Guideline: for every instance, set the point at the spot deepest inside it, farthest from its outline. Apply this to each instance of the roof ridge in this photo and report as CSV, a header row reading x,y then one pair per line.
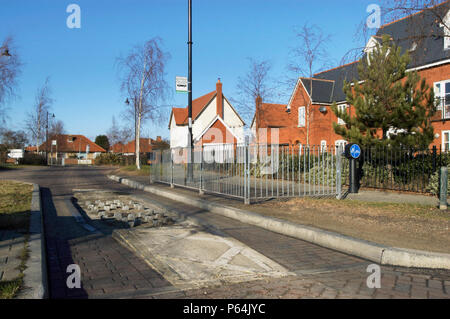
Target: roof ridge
x,y
412,15
338,67
326,80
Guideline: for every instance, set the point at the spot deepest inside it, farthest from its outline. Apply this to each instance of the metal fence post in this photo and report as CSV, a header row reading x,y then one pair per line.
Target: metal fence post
x,y
443,188
171,171
434,157
338,173
200,190
247,172
151,167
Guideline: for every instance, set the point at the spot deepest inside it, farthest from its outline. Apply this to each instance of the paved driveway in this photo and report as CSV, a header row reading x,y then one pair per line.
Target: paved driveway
x,y
110,270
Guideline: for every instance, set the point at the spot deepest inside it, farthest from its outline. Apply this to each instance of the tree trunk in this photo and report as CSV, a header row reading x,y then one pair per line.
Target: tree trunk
x,y
138,135
139,117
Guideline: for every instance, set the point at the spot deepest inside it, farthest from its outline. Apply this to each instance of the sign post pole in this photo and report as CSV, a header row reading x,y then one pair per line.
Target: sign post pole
x,y
353,153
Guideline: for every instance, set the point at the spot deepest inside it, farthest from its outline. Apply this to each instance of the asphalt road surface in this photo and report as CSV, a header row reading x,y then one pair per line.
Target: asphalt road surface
x,y
109,270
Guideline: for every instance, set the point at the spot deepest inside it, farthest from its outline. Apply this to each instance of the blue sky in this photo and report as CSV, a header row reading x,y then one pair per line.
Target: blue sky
x,y
80,62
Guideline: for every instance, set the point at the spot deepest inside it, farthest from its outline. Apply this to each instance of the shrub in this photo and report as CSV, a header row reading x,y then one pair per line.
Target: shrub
x,y
119,159
33,159
434,183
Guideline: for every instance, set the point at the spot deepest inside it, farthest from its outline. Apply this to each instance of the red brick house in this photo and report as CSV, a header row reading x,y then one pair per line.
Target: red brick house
x,y
430,57
71,147
214,121
146,145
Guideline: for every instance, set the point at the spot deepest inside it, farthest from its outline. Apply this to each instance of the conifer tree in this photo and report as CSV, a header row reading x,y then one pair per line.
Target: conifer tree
x,y
392,107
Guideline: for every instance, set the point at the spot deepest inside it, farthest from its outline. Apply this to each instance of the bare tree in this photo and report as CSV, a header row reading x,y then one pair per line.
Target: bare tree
x,y
307,58
37,119
396,9
255,83
113,132
13,139
418,29
142,74
56,128
10,69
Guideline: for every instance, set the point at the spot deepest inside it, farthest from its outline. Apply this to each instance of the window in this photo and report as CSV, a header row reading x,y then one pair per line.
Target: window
x,y
445,25
340,144
342,108
445,141
442,94
323,146
301,116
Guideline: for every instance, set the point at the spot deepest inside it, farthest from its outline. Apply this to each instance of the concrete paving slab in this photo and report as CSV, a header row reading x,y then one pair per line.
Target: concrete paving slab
x,y
189,255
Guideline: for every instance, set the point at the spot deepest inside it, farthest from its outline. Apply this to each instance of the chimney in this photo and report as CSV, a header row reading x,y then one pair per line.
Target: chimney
x,y
219,99
258,102
158,138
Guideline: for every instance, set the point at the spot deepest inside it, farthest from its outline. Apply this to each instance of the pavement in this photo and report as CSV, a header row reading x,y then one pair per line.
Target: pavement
x,y
112,270
11,247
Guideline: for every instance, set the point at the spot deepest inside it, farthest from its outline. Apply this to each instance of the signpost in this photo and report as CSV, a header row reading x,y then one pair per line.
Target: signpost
x,y
51,158
353,153
16,154
181,84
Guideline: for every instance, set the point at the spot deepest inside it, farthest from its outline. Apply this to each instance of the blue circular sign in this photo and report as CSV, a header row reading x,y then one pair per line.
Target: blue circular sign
x,y
355,151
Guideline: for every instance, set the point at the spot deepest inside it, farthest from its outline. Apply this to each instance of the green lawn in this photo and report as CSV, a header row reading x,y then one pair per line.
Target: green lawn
x,y
145,169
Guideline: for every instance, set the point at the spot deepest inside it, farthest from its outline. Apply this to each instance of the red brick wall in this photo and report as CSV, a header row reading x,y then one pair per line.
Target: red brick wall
x,y
432,75
322,123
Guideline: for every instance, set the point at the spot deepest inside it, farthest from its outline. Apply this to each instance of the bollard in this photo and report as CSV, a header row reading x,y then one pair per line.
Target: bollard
x,y
443,189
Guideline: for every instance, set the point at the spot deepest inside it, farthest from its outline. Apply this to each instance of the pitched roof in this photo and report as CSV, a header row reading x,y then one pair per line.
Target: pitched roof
x,y
348,72
181,114
409,30
71,144
429,49
272,115
322,90
145,146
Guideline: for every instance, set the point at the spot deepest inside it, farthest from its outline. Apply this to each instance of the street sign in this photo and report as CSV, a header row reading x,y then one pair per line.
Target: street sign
x,y
181,83
54,142
16,153
355,151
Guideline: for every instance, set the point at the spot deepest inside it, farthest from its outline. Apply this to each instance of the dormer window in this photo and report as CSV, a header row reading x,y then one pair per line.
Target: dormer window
x,y
446,26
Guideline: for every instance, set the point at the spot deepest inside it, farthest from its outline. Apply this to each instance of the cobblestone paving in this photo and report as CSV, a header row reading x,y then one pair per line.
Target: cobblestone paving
x,y
109,270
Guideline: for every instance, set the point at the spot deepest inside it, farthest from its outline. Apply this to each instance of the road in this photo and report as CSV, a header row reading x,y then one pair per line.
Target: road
x,y
110,270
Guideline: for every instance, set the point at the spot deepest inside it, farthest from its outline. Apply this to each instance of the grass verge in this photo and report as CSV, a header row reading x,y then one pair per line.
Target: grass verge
x,y
15,203
402,225
132,170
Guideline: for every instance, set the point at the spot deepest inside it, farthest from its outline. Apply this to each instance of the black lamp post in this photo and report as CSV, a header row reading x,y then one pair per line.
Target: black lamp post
x,y
191,140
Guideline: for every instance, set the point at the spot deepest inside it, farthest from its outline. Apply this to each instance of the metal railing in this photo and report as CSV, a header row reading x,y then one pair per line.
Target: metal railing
x,y
253,172
400,168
